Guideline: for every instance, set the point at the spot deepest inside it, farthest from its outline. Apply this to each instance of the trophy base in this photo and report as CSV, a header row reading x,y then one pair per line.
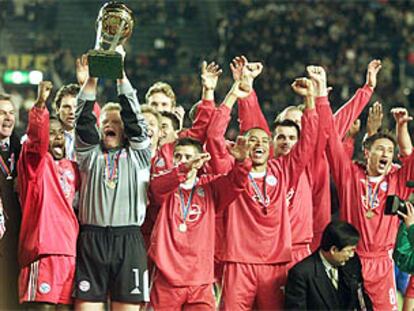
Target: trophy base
x,y
105,64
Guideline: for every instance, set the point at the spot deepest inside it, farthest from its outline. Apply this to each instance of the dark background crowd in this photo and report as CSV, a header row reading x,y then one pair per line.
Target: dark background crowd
x,y
172,37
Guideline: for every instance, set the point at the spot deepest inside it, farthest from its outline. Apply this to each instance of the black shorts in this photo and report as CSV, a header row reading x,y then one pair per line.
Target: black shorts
x,y
111,262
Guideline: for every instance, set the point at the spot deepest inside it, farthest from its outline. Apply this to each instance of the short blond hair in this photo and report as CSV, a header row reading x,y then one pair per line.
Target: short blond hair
x,y
148,109
161,87
282,116
110,106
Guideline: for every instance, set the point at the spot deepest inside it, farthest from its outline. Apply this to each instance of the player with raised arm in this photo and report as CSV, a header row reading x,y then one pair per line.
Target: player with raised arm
x,y
48,182
114,163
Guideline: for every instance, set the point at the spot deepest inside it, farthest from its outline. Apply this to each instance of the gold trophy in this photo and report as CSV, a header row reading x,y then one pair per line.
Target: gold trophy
x,y
113,27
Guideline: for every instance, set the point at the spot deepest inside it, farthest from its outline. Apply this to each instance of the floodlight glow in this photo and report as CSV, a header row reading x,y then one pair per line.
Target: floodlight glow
x,y
35,77
17,77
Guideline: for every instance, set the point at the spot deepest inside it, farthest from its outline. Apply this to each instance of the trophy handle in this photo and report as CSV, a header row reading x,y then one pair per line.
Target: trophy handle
x,y
115,41
98,41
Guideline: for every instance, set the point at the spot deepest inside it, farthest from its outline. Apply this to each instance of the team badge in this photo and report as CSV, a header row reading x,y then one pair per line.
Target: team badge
x,y
271,180
44,288
200,192
194,213
84,286
384,186
160,162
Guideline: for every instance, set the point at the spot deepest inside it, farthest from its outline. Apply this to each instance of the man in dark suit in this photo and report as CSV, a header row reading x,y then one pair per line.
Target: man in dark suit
x,y
9,153
330,278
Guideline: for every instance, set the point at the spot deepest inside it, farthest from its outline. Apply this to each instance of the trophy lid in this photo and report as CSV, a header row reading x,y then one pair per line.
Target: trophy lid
x,y
110,18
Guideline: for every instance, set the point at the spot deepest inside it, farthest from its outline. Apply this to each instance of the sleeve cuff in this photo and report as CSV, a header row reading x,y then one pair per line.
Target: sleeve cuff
x,y
124,87
87,96
367,89
322,100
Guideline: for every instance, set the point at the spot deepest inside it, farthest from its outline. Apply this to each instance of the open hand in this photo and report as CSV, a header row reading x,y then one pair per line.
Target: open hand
x,y
375,116
240,150
82,69
210,74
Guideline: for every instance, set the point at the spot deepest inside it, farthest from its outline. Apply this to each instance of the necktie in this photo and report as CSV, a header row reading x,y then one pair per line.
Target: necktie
x,y
333,276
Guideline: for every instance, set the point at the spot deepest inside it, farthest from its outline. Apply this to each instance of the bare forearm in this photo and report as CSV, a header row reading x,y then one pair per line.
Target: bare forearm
x,y
404,140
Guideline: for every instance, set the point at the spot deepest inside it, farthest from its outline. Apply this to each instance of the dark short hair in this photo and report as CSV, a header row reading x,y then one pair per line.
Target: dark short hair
x,y
188,141
287,123
340,234
382,134
174,120
247,132
70,89
55,119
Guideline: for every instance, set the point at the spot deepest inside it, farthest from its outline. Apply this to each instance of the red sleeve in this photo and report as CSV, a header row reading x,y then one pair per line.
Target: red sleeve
x,y
201,121
339,161
404,174
302,152
227,188
166,182
221,161
349,145
251,115
350,111
163,160
37,144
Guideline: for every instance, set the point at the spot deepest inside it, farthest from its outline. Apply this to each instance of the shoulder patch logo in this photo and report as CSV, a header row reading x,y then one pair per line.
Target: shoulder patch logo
x,y
84,286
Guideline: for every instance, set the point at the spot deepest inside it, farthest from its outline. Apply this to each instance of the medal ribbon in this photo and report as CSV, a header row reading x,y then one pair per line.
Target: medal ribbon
x,y
112,166
371,195
2,220
263,198
186,207
7,172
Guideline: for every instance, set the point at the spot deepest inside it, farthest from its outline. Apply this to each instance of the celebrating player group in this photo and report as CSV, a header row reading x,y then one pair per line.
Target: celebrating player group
x,y
116,205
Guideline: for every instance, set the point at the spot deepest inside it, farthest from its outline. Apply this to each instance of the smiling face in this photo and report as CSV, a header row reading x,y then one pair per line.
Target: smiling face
x,y
153,128
7,118
167,130
285,137
112,129
259,143
66,112
56,140
379,157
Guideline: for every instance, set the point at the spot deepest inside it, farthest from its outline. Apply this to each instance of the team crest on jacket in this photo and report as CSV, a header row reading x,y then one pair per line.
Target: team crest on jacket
x,y
271,180
194,213
66,180
160,162
200,192
384,186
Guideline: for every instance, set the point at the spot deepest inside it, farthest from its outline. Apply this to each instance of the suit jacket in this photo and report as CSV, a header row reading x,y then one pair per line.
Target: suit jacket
x,y
309,287
9,269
